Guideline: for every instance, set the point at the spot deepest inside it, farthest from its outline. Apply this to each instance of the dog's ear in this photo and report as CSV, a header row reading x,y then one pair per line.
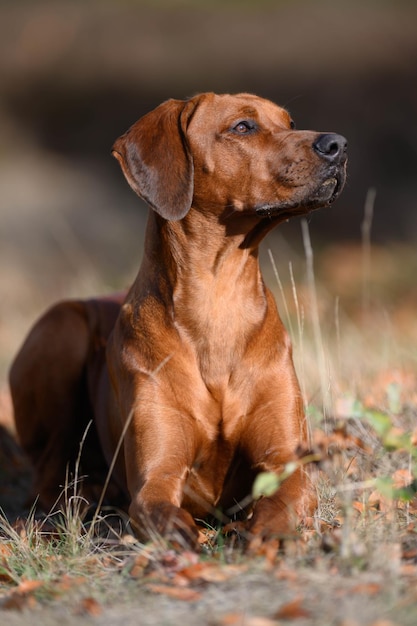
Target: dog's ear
x,y
156,160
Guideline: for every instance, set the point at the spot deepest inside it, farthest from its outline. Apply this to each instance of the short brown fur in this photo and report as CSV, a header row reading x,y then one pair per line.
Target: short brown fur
x,y
194,361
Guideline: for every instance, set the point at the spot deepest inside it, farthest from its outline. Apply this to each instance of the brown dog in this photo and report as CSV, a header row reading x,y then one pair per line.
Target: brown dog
x,y
193,368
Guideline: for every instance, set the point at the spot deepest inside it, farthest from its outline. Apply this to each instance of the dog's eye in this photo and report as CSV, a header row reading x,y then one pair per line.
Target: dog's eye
x,y
292,124
243,127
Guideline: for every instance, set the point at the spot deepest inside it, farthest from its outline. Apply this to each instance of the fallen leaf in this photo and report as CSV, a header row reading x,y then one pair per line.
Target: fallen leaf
x,y
27,586
409,570
5,549
196,571
179,593
402,478
21,597
409,554
210,572
339,439
68,582
359,506
173,561
206,535
378,501
286,574
5,576
292,610
371,589
259,621
90,606
18,602
241,619
232,619
139,564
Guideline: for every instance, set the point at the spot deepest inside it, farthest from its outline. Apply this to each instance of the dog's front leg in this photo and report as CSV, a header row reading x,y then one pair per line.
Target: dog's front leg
x,y
159,453
278,515
274,434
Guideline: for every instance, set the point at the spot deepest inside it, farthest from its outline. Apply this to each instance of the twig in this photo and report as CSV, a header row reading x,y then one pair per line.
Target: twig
x,y
366,247
318,339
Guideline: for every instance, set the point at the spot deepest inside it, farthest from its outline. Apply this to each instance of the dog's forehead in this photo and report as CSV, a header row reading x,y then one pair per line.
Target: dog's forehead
x,y
227,107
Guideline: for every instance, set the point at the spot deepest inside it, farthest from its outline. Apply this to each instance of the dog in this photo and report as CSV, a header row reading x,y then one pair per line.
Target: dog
x,y
188,378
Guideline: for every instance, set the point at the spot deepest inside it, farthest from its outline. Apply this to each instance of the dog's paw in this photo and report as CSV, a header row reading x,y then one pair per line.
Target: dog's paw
x,y
165,520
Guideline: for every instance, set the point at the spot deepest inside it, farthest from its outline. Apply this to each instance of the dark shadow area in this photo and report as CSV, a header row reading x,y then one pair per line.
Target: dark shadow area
x,y
15,477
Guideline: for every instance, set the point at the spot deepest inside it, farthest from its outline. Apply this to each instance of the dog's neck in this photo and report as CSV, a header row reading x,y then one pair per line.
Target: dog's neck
x,y
200,245
211,285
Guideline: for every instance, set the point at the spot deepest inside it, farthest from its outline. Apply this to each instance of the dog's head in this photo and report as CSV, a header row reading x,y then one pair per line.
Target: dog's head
x,y
230,155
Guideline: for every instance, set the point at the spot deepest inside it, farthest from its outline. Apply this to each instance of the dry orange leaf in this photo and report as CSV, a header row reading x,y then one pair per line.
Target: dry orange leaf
x,y
27,586
259,621
179,593
139,565
5,549
379,502
292,610
18,602
359,506
206,535
371,589
402,478
21,596
409,570
232,619
410,554
339,438
5,577
68,582
90,606
210,572
240,619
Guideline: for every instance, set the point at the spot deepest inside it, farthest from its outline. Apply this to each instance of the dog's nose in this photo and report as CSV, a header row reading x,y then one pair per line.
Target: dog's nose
x,y
331,147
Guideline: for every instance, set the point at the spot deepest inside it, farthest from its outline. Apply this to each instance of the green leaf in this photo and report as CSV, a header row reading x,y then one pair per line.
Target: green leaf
x,y
394,441
380,422
405,494
385,486
394,398
265,484
268,483
357,409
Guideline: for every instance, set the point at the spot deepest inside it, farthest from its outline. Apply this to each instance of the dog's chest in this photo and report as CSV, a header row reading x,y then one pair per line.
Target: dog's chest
x,y
205,483
217,316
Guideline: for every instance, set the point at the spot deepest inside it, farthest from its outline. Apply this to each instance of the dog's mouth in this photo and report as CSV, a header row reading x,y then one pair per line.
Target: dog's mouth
x,y
330,189
322,196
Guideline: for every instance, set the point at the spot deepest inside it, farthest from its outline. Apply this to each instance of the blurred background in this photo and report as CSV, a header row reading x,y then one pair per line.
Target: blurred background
x,y
74,75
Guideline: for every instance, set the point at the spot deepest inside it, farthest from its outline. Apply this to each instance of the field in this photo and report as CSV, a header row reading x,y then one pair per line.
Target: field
x,y
351,313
